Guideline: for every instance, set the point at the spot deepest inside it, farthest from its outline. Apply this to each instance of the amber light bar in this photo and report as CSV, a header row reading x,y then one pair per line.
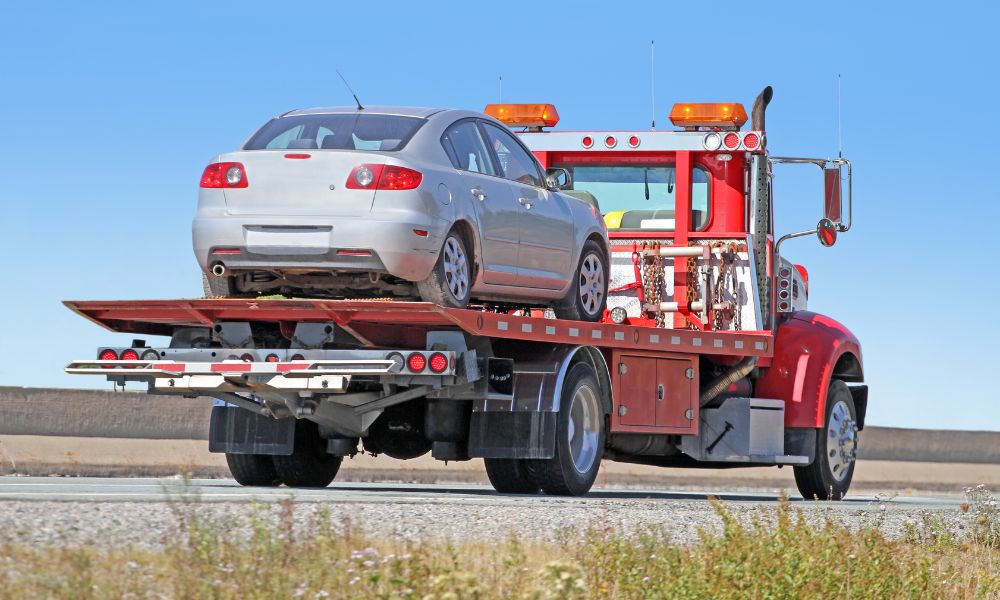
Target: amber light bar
x,y
524,115
709,114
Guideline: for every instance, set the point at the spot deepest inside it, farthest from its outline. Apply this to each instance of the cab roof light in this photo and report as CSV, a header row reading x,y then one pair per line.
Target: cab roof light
x,y
726,115
524,115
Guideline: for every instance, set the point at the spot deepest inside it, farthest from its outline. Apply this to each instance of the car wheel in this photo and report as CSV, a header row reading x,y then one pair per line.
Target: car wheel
x,y
253,469
510,476
309,464
579,438
829,476
218,287
450,283
589,292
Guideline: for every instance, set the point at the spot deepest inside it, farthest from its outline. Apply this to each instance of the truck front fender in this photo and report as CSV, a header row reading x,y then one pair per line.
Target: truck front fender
x,y
809,350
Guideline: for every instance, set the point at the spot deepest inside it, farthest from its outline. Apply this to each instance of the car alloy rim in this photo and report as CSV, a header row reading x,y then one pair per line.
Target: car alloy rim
x,y
842,440
591,283
456,268
584,431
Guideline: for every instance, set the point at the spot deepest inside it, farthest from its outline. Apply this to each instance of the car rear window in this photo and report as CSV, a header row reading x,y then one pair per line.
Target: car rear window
x,y
345,131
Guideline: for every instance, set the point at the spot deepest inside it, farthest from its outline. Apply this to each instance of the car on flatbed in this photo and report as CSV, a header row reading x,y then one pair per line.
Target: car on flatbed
x,y
444,205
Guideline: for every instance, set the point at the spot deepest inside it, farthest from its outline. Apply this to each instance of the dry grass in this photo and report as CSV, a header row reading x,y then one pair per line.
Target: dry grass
x,y
779,556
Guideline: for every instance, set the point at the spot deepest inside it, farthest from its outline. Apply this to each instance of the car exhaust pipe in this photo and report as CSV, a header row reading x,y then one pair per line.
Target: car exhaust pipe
x,y
759,108
218,269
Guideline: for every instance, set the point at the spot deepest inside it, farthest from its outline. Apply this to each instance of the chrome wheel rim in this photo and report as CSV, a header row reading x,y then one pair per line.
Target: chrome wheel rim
x,y
584,431
842,440
591,284
456,268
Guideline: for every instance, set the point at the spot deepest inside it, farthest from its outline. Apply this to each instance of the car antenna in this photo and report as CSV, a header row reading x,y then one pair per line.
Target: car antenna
x,y
501,89
652,81
840,135
348,86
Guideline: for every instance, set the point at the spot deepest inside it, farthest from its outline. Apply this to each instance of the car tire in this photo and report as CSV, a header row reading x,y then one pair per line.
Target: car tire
x,y
510,476
450,283
579,437
829,476
309,465
253,470
218,287
588,294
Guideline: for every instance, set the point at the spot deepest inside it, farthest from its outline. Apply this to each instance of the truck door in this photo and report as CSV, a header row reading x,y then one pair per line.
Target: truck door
x,y
545,257
492,199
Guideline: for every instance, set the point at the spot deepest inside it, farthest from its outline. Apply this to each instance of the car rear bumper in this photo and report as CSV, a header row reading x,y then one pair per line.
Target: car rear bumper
x,y
315,244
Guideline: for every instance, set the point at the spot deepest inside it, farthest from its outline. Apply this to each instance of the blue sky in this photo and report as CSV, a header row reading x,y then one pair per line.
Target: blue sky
x,y
112,112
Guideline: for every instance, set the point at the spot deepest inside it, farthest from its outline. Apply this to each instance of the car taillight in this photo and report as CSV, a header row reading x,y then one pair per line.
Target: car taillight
x,y
225,175
416,362
438,362
383,177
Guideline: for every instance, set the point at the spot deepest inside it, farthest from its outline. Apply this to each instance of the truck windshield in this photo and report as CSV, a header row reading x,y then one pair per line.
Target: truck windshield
x,y
638,196
343,131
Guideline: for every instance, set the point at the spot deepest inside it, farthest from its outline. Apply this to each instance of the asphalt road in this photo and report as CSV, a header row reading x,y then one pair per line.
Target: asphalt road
x,y
87,489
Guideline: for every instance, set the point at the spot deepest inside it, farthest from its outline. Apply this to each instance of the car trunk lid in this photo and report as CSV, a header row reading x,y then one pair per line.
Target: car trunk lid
x,y
300,182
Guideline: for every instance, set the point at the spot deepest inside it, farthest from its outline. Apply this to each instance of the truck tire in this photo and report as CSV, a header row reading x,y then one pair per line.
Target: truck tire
x,y
829,476
510,476
450,283
253,469
308,465
588,294
579,437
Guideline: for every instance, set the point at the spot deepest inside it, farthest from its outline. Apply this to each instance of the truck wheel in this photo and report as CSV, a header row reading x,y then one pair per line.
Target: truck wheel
x,y
579,437
829,476
253,469
589,291
510,476
308,465
450,283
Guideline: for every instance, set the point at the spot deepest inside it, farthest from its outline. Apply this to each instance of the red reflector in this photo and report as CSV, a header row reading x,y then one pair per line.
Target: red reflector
x,y
354,252
298,156
731,141
416,362
587,141
247,357
271,358
751,141
633,141
420,232
610,141
224,175
108,355
226,251
438,362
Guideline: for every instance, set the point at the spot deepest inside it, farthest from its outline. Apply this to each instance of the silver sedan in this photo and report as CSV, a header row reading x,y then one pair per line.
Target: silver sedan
x,y
444,205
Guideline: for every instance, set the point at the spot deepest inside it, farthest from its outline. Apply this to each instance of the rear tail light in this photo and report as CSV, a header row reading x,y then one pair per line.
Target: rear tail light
x,y
438,362
416,362
271,358
224,175
130,355
247,357
751,141
731,141
108,354
383,177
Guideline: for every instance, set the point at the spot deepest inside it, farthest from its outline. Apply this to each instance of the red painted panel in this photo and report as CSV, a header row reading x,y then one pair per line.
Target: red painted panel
x,y
672,410
636,390
807,348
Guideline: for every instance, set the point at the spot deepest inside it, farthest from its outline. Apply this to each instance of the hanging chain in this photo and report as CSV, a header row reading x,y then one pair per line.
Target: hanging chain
x,y
726,281
652,284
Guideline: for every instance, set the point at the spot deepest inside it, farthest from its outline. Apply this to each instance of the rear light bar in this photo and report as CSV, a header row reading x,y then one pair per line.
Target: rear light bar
x,y
383,177
785,289
225,175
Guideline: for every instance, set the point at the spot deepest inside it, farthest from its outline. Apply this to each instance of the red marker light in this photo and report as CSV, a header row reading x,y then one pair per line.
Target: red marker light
x,y
438,362
731,141
298,357
751,141
247,357
633,141
272,358
610,141
130,355
108,354
416,362
587,141
421,232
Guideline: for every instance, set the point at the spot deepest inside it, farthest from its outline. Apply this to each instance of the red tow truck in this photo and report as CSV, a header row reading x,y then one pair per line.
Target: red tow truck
x,y
706,357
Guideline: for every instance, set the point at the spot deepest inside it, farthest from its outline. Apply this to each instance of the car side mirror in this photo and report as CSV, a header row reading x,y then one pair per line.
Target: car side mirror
x,y
827,232
832,203
558,179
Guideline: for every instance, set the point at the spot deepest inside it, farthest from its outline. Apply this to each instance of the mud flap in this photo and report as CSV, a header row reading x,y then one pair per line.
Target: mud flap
x,y
518,434
238,431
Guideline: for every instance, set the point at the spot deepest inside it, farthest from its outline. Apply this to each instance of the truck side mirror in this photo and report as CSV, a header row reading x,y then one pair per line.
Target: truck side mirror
x,y
827,232
832,204
558,179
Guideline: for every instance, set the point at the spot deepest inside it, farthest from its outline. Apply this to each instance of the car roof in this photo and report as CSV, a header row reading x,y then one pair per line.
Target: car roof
x,y
403,111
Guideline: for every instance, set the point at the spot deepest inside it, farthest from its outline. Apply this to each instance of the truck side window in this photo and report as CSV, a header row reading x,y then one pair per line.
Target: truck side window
x,y
515,162
467,152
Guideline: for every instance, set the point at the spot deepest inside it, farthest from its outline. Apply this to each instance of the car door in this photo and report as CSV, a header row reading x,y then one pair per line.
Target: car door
x,y
493,201
545,255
